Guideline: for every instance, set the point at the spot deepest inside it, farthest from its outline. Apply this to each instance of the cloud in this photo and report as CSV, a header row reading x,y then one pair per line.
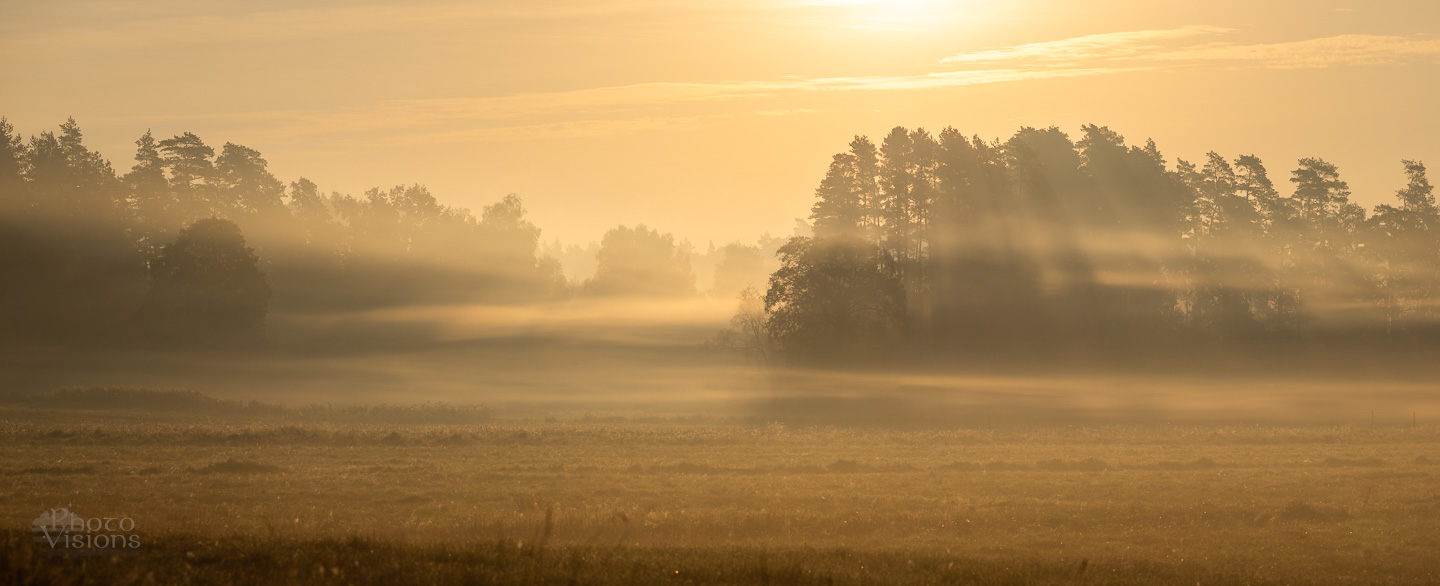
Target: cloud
x,y
948,79
1166,45
1107,45
1342,50
651,94
646,106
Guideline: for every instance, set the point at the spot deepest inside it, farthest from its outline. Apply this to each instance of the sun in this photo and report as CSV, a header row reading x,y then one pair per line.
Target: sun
x,y
901,14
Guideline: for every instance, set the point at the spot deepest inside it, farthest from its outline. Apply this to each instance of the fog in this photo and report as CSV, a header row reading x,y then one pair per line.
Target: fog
x,y
942,254
975,353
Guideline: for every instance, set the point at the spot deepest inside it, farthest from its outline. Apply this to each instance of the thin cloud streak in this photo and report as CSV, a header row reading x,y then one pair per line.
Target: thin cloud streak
x,y
1161,45
947,79
1105,45
1342,50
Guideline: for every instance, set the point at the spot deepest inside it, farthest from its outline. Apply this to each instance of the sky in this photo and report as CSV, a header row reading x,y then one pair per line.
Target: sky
x,y
716,120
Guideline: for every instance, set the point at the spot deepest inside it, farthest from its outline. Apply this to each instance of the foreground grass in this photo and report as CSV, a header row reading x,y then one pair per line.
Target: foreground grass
x,y
617,500
187,560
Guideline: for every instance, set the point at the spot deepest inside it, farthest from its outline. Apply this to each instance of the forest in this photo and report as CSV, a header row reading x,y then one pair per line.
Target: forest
x,y
1043,246
924,249
190,248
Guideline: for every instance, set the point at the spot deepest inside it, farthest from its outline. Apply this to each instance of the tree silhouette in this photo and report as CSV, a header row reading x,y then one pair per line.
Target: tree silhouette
x,y
866,160
311,210
69,267
741,266
1040,242
1417,195
835,301
71,181
641,261
244,184
151,201
12,168
187,162
1323,202
513,239
1404,244
840,210
206,288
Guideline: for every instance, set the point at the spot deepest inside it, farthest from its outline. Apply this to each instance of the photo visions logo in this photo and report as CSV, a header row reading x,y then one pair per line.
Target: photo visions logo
x,y
61,532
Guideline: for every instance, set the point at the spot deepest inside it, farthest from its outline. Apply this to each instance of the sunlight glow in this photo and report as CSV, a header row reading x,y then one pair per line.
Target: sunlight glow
x,y
898,14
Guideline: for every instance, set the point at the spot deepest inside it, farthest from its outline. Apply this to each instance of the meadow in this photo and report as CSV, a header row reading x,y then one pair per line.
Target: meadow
x,y
250,493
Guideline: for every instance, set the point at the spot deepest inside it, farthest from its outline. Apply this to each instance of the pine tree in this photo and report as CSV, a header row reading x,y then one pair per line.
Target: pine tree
x,y
12,169
839,211
151,202
1417,195
245,186
1403,243
192,177
1323,202
1253,183
896,192
962,202
1319,192
925,183
1223,183
867,177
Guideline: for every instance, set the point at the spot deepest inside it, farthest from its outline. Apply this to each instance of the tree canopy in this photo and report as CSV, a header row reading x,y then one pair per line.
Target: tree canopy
x,y
206,287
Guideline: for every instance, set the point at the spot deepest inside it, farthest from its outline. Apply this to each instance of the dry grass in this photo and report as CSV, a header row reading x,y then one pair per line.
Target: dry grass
x,y
636,497
173,401
184,559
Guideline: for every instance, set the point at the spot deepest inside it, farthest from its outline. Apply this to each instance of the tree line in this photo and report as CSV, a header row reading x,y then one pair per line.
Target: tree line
x,y
193,246
940,248
950,247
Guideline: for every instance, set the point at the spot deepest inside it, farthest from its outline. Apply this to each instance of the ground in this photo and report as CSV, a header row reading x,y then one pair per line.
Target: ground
x,y
254,497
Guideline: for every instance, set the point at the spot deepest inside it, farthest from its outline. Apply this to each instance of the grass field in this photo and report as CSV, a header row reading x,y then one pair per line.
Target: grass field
x,y
254,496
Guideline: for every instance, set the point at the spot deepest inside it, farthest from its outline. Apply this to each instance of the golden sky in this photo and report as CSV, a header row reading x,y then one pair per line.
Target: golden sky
x,y
715,120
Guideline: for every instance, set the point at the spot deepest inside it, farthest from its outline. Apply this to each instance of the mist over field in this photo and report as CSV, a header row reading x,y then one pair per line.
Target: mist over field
x,y
831,292
931,269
